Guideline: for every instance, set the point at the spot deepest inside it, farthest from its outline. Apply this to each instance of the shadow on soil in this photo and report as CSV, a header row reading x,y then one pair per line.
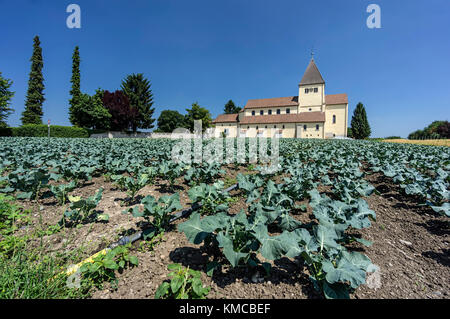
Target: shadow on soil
x,y
284,271
436,227
443,258
164,188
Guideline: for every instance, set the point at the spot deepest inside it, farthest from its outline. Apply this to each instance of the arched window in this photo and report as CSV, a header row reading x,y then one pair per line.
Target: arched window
x,y
334,119
304,127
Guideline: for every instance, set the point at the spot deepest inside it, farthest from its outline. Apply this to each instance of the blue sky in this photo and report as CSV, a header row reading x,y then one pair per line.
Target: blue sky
x,y
212,51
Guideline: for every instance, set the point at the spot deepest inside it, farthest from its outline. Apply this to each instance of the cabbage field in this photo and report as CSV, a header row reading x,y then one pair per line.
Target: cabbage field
x,y
338,219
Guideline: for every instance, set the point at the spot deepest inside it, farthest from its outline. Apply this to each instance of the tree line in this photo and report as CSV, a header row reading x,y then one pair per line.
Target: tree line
x,y
436,130
131,107
127,109
170,120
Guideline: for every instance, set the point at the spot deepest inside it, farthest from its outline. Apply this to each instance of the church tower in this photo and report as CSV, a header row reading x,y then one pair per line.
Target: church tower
x,y
311,90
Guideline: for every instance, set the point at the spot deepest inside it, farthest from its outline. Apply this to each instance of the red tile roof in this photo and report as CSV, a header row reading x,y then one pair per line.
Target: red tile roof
x,y
304,117
336,99
277,101
226,118
292,101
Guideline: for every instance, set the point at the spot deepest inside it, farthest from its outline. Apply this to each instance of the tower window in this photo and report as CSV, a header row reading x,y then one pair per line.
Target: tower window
x,y
278,111
316,90
274,126
288,111
257,127
253,113
317,127
304,127
261,112
334,119
306,91
270,112
283,125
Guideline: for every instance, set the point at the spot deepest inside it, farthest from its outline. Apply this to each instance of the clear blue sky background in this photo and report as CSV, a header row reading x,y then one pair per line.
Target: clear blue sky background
x,y
212,51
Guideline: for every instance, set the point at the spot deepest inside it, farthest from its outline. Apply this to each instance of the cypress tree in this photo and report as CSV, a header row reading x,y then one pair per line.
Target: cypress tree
x,y
140,96
35,94
360,124
75,92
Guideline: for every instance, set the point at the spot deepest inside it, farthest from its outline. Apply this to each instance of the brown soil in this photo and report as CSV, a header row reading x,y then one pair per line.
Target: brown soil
x,y
410,246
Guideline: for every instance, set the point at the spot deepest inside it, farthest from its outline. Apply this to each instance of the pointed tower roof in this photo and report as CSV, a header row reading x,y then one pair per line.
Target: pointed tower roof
x,y
312,75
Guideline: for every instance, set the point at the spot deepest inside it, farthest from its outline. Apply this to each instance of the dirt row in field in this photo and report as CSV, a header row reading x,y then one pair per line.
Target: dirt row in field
x,y
410,246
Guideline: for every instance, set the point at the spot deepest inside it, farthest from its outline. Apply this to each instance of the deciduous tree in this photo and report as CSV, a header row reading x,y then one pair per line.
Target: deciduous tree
x,y
89,111
196,112
169,120
122,115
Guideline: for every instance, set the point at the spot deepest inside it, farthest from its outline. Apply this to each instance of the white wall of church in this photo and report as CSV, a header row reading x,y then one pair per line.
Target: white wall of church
x,y
313,130
311,98
292,109
231,129
339,128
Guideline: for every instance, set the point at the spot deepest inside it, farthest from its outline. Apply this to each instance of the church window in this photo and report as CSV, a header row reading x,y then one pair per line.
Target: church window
x,y
261,112
253,113
334,119
288,111
317,127
304,127
278,111
270,112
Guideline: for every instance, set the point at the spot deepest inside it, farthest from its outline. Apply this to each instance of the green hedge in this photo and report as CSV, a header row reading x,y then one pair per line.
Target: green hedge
x,y
36,130
5,131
